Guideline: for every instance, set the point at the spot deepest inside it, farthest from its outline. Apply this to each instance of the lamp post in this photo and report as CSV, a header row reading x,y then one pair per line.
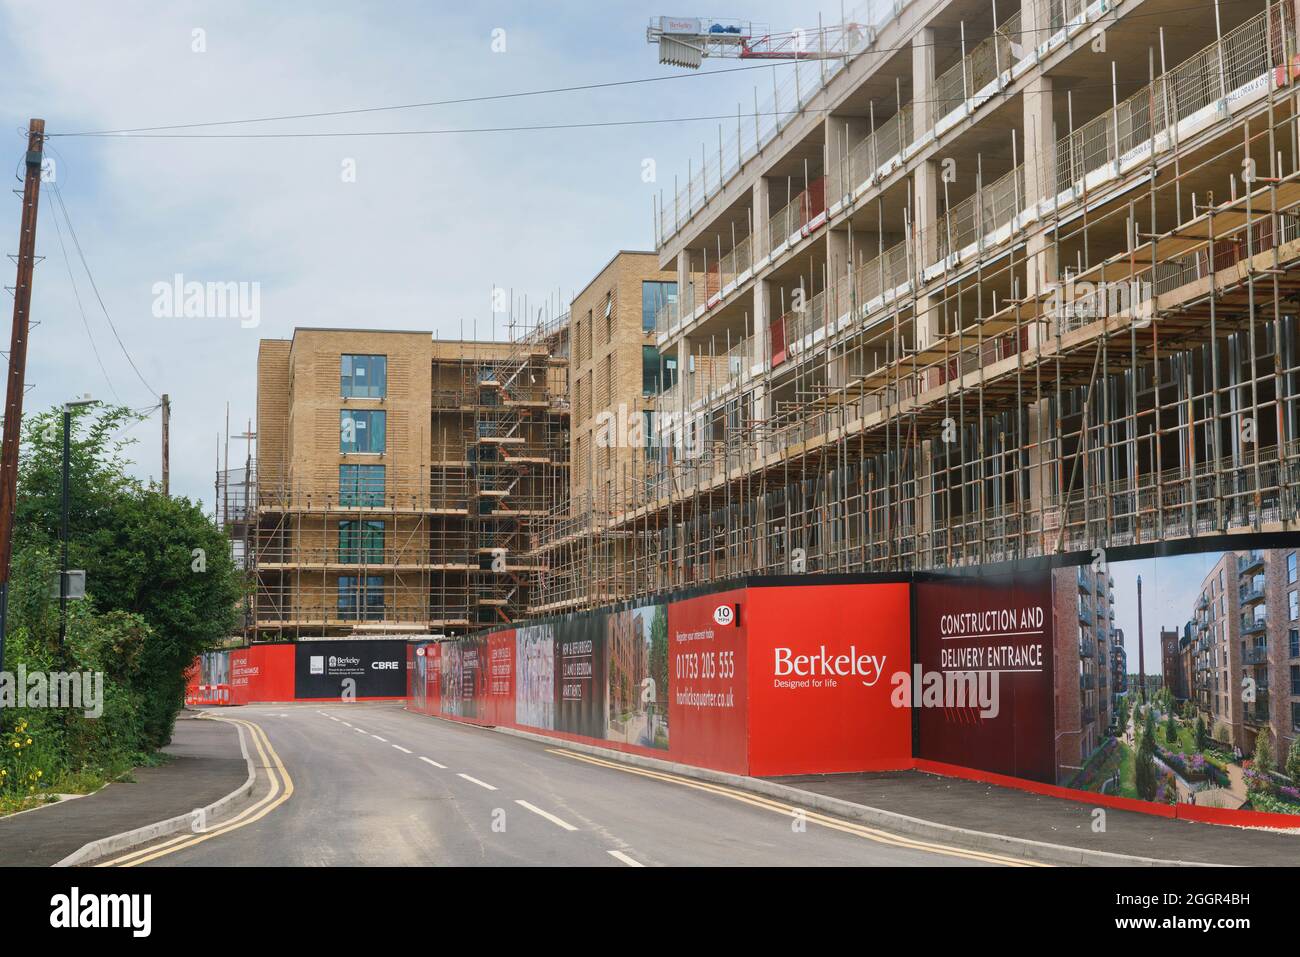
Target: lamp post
x,y
63,514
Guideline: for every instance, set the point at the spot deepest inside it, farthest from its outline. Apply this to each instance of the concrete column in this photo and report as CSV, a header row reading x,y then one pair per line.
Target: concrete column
x,y
1040,180
762,325
925,189
761,207
923,107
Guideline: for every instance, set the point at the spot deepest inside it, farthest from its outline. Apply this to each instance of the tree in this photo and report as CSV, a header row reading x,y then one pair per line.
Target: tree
x,y
1171,728
1293,761
1264,761
1144,766
1200,733
144,553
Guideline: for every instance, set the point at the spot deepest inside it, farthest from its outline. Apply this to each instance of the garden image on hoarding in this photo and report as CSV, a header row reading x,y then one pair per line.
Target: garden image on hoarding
x,y
1217,721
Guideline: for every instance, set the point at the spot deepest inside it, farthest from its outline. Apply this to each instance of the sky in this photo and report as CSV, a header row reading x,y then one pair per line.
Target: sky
x,y
1170,587
417,238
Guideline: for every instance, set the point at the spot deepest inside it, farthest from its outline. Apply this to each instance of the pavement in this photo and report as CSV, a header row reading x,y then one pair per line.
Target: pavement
x,y
207,765
1036,817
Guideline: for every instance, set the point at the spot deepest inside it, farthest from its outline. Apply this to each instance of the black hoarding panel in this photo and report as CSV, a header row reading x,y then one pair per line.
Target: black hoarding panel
x,y
580,675
366,668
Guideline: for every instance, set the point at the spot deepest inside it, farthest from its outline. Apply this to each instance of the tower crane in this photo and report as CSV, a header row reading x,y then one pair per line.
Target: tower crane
x,y
686,41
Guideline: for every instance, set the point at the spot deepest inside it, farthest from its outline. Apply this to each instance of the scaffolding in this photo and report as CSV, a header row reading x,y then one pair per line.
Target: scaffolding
x,y
442,542
1091,349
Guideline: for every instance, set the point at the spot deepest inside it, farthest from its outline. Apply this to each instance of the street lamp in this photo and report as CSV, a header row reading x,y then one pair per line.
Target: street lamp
x,y
63,513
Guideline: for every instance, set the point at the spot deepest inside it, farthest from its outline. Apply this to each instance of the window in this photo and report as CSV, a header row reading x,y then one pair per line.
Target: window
x,y
361,597
1295,679
363,377
654,296
362,431
1290,569
1293,605
361,486
650,371
361,542
1295,715
1294,641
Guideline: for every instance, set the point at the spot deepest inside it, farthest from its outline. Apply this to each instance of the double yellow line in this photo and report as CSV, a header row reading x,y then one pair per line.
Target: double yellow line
x,y
787,810
281,790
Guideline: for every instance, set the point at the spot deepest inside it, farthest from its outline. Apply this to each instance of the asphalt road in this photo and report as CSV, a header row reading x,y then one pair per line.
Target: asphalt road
x,y
371,784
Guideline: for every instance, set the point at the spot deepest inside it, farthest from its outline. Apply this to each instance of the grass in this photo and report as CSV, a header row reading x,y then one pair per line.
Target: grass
x,y
86,780
1127,772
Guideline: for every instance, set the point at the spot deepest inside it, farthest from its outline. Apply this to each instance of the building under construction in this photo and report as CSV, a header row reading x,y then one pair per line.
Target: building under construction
x,y
997,283
400,481
979,283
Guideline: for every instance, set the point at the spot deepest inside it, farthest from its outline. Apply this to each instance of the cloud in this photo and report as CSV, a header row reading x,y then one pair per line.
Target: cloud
x,y
417,241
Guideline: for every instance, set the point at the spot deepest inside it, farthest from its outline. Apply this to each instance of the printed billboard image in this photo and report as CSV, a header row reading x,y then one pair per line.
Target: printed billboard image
x,y
580,673
1178,679
636,676
535,676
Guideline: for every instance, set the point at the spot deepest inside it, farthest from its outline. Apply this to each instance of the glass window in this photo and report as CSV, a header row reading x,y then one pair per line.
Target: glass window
x,y
361,486
651,370
1290,569
1294,641
654,296
363,377
361,598
1293,605
362,430
361,542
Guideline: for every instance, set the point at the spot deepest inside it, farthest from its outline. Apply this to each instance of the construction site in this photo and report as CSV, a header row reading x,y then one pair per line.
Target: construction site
x,y
418,504
1055,313
979,283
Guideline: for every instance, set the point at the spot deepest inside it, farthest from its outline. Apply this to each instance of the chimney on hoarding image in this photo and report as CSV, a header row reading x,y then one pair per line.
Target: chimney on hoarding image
x,y
1142,657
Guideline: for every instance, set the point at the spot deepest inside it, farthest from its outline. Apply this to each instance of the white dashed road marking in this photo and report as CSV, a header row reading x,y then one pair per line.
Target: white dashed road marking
x,y
546,814
482,784
625,859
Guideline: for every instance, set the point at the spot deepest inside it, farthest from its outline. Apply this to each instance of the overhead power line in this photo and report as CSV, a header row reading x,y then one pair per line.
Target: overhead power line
x,y
58,229
58,195
577,88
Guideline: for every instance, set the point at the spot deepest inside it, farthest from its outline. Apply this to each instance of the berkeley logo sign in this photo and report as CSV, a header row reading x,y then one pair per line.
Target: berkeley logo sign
x,y
867,668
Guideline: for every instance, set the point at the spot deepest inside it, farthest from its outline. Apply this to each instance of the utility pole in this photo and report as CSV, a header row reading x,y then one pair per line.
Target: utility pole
x,y
166,444
16,384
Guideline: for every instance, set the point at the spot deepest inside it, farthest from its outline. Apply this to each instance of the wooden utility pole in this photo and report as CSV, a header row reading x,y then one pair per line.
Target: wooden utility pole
x,y
166,443
16,384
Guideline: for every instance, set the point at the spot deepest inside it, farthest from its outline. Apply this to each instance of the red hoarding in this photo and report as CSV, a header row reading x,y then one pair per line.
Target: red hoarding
x,y
707,665
821,664
500,707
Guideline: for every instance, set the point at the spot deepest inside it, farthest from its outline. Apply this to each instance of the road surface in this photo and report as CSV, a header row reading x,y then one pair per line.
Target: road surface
x,y
371,784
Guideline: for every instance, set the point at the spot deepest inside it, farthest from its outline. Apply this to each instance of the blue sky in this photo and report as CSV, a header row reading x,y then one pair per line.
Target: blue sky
x,y
1170,587
430,225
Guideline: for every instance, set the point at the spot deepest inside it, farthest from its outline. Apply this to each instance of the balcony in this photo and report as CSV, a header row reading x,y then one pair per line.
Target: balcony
x,y
1087,714
1257,655
1087,648
1250,562
1087,580
1085,614
1087,682
1254,626
1251,594
802,214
